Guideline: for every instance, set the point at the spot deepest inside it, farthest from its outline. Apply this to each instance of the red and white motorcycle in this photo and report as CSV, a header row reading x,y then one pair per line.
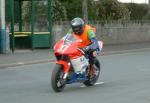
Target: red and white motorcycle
x,y
73,64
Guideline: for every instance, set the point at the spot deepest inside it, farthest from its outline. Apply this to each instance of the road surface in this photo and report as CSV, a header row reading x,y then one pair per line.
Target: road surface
x,y
125,78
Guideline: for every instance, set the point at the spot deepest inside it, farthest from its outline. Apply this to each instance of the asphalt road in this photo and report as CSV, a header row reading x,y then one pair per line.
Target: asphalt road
x,y
125,78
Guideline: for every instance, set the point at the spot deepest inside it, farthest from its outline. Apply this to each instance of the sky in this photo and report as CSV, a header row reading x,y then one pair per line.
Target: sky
x,y
135,1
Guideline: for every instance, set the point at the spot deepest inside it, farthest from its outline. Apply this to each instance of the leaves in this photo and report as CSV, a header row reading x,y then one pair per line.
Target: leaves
x,y
110,10
68,9
138,11
58,11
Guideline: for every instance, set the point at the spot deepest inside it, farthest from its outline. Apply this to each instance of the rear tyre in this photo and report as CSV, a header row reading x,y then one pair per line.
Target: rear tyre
x,y
93,74
57,81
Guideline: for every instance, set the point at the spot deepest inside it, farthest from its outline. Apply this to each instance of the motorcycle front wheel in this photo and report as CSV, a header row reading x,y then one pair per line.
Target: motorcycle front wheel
x,y
57,81
93,73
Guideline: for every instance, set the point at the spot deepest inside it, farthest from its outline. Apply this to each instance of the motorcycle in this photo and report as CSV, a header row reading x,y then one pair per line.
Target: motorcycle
x,y
73,64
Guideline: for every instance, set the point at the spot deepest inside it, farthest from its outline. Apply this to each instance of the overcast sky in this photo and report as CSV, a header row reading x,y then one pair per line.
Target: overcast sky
x,y
135,1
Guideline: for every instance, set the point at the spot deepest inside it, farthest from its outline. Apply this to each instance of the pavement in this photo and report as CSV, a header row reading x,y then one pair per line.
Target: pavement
x,y
27,56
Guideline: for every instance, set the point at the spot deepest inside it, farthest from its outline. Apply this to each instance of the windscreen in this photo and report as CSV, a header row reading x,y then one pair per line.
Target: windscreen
x,y
69,38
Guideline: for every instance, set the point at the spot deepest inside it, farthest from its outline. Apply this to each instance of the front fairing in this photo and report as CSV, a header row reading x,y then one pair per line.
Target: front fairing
x,y
68,45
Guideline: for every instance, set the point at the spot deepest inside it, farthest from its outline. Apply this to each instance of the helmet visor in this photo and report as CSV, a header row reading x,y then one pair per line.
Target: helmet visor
x,y
77,30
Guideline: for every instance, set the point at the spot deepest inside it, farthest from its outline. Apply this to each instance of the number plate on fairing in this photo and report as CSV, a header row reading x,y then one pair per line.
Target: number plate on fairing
x,y
80,64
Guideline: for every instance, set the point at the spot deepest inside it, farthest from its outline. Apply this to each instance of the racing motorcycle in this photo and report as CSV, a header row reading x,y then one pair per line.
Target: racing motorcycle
x,y
74,64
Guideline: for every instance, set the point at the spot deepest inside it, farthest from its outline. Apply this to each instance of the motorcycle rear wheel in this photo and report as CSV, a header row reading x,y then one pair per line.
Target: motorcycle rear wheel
x,y
92,79
57,81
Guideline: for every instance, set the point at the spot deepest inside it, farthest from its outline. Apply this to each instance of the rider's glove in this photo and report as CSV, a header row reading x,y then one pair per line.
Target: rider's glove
x,y
97,52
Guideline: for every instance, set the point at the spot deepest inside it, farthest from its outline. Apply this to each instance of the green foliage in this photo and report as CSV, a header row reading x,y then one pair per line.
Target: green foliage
x,y
138,11
108,10
73,8
68,9
146,17
58,11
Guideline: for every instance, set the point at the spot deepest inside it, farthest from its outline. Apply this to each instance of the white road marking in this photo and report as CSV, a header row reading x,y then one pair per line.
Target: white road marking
x,y
98,83
21,63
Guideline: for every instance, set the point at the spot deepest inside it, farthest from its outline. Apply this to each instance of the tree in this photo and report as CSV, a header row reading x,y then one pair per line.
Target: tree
x,y
138,11
73,8
58,11
109,10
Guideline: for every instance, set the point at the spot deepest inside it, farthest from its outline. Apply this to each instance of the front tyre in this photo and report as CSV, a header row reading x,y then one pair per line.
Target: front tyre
x,y
93,74
57,81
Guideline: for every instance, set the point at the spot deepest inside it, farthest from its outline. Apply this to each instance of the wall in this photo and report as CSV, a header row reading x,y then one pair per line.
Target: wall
x,y
114,32
122,33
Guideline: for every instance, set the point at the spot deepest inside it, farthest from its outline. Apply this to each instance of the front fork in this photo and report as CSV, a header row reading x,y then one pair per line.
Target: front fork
x,y
66,67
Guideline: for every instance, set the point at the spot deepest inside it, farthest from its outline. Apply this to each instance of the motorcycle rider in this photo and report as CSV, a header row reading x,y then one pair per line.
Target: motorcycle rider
x,y
86,34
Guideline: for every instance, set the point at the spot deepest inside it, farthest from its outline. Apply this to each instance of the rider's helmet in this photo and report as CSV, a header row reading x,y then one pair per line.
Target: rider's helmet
x,y
77,25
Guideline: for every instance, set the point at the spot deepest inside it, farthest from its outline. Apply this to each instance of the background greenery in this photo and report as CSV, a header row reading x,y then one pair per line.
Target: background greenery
x,y
99,10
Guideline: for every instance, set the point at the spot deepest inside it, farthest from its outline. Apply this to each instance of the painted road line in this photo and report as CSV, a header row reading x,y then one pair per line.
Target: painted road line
x,y
98,83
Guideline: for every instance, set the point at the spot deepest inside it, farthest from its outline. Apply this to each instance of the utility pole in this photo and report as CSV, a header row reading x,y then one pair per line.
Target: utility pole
x,y
2,27
149,7
85,10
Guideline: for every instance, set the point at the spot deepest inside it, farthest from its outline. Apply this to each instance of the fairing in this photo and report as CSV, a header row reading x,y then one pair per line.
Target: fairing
x,y
68,45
